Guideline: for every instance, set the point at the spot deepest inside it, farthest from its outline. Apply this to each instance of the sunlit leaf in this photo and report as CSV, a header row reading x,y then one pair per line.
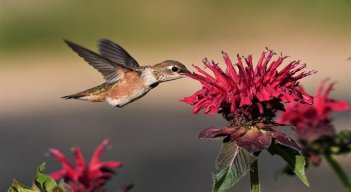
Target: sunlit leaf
x,y
20,187
293,158
42,183
232,163
45,181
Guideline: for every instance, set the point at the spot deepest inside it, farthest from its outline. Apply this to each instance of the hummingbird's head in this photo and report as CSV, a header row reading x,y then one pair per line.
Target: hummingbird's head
x,y
169,70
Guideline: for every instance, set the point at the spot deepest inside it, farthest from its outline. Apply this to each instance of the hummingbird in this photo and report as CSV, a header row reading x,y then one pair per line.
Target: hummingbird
x,y
126,80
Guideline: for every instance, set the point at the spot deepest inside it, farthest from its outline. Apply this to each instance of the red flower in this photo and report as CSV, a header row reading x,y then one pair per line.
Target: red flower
x,y
248,92
313,122
248,98
85,177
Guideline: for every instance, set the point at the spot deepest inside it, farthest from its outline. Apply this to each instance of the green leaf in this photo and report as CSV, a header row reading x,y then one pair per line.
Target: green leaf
x,y
42,182
45,181
20,187
233,162
341,143
62,186
293,158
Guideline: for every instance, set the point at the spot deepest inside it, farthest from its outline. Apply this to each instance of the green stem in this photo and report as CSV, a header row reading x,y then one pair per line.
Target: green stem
x,y
254,180
339,171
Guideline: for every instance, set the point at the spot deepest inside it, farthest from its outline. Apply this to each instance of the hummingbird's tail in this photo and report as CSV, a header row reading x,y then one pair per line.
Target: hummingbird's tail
x,y
83,96
74,96
95,94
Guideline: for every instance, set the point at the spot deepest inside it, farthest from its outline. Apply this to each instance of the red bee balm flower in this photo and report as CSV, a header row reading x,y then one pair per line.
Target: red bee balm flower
x,y
248,98
85,177
249,92
313,122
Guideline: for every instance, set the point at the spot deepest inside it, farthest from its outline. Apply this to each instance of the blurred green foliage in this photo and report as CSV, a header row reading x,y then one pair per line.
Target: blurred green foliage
x,y
40,23
41,183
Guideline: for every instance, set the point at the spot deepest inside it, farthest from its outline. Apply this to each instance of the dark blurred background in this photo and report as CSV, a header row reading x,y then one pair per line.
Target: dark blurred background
x,y
154,136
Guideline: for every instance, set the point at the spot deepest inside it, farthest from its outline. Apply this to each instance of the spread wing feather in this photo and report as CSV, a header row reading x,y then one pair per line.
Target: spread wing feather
x,y
111,71
116,53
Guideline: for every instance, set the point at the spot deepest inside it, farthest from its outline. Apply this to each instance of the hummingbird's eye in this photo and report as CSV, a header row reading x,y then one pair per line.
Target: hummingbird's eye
x,y
175,69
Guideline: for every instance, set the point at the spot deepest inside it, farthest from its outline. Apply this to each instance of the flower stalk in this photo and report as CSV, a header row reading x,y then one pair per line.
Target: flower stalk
x,y
254,177
339,171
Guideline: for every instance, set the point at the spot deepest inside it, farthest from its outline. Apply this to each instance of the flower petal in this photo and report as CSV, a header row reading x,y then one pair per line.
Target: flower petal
x,y
98,152
283,139
58,174
80,161
213,133
313,122
250,92
67,166
254,140
83,177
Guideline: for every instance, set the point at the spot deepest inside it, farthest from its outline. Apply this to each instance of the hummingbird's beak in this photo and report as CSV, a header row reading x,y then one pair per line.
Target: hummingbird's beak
x,y
185,72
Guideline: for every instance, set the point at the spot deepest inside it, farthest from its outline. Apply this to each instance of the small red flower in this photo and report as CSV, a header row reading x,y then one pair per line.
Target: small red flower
x,y
85,177
313,122
249,92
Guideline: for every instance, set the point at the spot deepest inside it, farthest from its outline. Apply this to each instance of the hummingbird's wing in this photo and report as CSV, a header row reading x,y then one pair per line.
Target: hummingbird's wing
x,y
116,53
111,71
